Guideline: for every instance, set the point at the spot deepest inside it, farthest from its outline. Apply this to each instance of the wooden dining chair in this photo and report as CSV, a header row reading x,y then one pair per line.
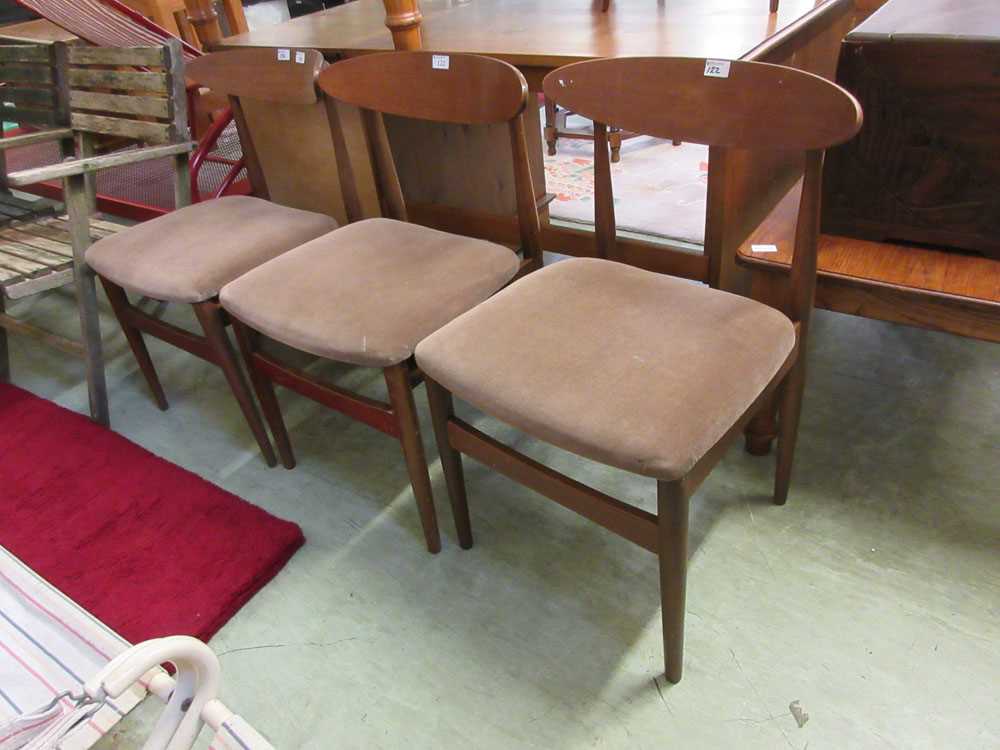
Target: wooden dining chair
x,y
187,256
640,371
366,293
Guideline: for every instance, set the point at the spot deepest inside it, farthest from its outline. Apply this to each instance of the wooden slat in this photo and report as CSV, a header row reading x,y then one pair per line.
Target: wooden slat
x,y
94,164
29,139
150,106
34,254
145,57
28,287
52,339
19,96
31,116
26,73
22,266
39,229
148,132
98,228
117,79
26,53
42,243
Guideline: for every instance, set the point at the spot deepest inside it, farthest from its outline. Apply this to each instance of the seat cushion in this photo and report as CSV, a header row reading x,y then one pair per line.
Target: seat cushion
x,y
190,254
627,367
368,292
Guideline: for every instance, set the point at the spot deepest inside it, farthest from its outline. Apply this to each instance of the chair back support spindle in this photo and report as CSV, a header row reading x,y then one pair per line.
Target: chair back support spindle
x,y
437,88
754,106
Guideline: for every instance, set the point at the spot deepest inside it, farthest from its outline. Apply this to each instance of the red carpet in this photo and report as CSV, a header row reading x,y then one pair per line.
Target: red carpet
x,y
147,547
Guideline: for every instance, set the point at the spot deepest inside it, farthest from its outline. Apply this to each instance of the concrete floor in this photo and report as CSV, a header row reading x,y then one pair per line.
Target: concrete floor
x,y
872,599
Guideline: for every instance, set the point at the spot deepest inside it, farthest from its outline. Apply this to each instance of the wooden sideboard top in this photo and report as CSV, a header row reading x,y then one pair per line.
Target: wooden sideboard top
x,y
931,20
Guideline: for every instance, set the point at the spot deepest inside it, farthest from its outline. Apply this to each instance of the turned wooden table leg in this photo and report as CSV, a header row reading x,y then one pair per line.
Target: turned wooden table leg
x,y
551,129
205,19
403,19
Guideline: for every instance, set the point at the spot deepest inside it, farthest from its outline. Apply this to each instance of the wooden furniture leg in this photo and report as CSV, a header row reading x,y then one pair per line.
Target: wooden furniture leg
x,y
397,379
673,501
615,143
210,317
120,304
551,129
442,410
788,427
4,347
248,339
78,210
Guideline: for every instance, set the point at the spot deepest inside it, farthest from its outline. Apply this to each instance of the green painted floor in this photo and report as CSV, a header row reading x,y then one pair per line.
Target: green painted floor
x,y
872,599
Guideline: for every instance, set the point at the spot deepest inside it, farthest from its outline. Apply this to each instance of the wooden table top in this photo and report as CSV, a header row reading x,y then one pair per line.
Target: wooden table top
x,y
549,33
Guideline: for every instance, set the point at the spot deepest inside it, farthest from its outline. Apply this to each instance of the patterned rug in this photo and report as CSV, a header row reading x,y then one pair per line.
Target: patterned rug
x,y
659,188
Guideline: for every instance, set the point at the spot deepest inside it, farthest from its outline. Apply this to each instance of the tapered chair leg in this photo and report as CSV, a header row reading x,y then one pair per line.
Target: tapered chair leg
x,y
90,328
788,428
120,304
443,409
672,508
210,316
264,388
401,399
4,350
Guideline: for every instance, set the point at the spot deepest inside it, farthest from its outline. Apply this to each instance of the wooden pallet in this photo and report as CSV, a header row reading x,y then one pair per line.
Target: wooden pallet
x,y
35,249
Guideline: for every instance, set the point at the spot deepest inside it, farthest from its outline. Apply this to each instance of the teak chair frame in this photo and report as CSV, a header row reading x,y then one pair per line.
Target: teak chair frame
x,y
213,345
807,113
390,83
80,109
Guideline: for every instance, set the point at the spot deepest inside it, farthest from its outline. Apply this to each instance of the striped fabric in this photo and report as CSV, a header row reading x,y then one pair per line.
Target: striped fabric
x,y
49,646
106,23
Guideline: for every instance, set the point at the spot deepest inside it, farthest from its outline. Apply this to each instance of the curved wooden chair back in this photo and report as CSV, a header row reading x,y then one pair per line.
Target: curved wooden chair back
x,y
282,123
270,75
727,104
459,89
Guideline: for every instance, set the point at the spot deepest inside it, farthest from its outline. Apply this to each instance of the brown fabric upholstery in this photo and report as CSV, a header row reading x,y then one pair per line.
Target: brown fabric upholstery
x,y
190,254
627,367
368,292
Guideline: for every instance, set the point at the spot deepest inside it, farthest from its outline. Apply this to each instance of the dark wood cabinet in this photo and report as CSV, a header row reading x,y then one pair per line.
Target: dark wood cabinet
x,y
926,166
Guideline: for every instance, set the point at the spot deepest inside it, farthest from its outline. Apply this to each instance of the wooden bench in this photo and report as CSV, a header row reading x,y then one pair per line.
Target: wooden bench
x,y
77,94
915,285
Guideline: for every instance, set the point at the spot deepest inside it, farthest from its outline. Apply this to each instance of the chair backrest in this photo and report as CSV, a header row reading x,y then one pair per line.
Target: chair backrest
x,y
459,89
138,93
106,23
31,85
282,122
725,104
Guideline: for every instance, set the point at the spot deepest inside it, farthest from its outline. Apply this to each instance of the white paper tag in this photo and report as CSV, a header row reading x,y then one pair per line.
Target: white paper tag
x,y
764,248
717,68
300,57
440,62
284,55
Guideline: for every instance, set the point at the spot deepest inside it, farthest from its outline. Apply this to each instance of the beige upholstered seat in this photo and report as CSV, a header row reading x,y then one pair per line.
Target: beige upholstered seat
x,y
631,368
368,292
190,254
